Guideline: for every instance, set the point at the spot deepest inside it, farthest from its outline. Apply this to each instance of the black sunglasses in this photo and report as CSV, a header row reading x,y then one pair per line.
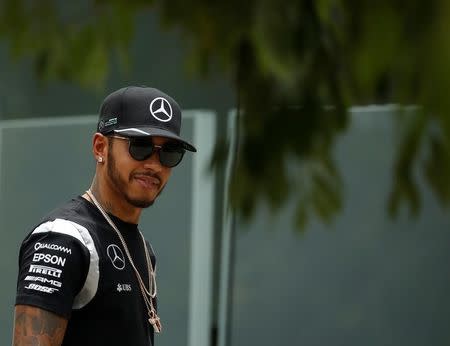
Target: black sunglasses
x,y
141,148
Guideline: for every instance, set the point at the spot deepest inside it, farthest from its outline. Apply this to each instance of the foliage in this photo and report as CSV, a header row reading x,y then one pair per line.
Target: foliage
x,y
72,42
297,65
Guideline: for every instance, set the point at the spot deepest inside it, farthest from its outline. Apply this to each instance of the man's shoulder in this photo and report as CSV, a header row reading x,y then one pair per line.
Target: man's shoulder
x,y
74,217
73,210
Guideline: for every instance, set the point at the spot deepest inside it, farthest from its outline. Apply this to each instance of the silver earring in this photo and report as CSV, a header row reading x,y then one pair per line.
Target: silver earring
x,y
100,159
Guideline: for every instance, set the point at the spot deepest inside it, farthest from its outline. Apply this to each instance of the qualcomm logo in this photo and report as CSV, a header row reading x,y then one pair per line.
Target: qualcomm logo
x,y
116,256
161,109
38,246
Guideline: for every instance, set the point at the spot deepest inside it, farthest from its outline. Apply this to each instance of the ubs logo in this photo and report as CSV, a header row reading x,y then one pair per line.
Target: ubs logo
x,y
116,256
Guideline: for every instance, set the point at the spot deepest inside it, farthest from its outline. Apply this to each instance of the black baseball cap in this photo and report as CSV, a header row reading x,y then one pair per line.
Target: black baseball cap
x,y
141,111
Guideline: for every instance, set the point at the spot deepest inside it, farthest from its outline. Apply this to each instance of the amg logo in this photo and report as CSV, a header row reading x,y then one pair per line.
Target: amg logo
x,y
38,246
43,280
45,270
40,288
47,258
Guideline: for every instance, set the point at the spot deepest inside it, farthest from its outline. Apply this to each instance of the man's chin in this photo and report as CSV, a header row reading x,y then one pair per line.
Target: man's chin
x,y
141,203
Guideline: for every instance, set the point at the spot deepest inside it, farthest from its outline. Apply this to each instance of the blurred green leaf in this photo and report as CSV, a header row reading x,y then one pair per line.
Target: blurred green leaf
x,y
297,66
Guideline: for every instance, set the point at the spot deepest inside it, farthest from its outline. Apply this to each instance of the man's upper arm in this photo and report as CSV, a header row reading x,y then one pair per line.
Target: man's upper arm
x,y
36,326
53,267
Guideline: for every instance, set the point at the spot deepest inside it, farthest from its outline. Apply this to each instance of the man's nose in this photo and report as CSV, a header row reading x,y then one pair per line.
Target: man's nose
x,y
153,161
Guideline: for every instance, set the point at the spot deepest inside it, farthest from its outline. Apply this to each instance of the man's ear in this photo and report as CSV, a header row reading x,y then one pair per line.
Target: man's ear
x,y
100,147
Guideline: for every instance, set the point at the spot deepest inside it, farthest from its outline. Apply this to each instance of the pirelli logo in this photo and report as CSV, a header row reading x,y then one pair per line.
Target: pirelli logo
x,y
38,269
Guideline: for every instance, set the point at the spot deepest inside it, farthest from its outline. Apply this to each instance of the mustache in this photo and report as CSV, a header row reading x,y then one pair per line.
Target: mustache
x,y
147,174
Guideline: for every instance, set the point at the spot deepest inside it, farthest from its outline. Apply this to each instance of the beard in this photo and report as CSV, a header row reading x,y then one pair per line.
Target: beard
x,y
121,185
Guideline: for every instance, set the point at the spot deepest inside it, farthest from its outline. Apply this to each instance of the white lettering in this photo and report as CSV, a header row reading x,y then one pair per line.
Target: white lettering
x,y
47,258
123,287
43,280
45,270
40,288
56,247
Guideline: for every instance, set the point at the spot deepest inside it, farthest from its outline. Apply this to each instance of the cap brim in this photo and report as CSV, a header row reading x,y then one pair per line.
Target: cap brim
x,y
152,131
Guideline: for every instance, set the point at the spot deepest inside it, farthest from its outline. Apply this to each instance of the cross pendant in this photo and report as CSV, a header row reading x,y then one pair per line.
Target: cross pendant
x,y
156,323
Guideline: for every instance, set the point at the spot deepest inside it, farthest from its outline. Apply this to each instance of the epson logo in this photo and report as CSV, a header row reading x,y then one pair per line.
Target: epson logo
x,y
44,280
47,258
56,247
56,273
40,288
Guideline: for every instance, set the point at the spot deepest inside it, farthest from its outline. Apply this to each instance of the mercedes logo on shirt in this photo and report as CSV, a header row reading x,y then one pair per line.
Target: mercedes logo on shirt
x,y
116,256
161,109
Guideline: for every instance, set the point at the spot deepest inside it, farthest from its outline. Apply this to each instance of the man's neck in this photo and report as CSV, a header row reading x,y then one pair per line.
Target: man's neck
x,y
113,205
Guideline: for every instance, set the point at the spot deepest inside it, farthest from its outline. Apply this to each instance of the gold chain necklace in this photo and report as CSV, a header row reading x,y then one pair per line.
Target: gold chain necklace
x,y
149,294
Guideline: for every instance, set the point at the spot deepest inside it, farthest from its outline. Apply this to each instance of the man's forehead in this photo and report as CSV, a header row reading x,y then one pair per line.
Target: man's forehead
x,y
159,140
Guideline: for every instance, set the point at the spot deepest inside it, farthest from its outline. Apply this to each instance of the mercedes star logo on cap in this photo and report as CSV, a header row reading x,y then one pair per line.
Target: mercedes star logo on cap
x,y
161,109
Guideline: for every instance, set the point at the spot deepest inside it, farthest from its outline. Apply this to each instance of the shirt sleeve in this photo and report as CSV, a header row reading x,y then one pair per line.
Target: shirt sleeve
x,y
54,263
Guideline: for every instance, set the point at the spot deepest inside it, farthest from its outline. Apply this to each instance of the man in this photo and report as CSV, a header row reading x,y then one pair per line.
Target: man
x,y
86,274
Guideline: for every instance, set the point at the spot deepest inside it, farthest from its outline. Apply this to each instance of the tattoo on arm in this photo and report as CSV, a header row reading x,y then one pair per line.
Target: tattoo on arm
x,y
37,327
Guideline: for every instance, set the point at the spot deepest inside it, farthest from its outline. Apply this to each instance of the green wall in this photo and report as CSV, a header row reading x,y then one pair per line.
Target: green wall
x,y
365,279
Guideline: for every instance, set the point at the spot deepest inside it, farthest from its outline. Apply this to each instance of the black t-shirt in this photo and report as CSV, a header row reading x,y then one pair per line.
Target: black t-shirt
x,y
73,264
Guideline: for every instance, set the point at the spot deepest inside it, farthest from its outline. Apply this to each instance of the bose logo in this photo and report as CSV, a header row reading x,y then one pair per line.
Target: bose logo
x,y
40,288
47,258
39,246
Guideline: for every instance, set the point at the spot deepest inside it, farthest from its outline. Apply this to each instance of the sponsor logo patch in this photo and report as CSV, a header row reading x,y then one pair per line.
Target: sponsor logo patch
x,y
45,270
123,288
56,247
48,258
116,256
161,109
41,288
111,121
43,280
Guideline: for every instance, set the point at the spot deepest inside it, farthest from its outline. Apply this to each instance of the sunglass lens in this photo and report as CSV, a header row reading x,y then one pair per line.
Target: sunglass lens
x,y
171,155
141,148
